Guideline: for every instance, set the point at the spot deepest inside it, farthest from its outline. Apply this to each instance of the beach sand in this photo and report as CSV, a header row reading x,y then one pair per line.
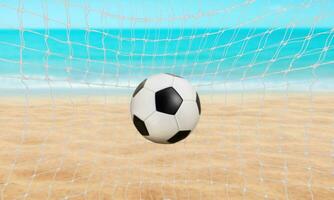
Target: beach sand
x,y
246,146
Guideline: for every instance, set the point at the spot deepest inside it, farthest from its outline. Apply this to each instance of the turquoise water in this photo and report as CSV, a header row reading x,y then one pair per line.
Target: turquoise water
x,y
235,59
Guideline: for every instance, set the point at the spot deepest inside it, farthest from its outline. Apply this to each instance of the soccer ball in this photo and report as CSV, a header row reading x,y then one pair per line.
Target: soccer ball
x,y
165,108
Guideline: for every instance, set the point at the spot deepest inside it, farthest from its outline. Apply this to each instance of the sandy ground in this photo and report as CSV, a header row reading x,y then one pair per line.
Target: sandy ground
x,y
251,146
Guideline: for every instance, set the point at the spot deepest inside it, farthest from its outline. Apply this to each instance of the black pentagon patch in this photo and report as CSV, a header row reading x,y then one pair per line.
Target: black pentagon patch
x,y
198,103
179,136
173,75
167,101
139,87
140,125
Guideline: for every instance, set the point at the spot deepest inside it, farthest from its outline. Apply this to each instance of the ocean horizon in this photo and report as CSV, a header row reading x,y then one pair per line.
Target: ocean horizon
x,y
213,59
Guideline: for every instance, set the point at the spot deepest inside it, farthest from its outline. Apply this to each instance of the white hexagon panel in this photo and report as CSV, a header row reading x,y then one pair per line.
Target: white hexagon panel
x,y
184,88
159,82
187,116
161,127
143,103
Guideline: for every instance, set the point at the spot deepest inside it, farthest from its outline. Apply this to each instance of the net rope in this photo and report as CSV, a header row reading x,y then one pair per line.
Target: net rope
x,y
225,63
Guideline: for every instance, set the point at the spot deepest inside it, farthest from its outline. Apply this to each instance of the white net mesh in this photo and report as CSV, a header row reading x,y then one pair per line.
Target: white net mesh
x,y
264,70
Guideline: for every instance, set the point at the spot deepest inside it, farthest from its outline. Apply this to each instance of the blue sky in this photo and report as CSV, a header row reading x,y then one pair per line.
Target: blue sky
x,y
173,13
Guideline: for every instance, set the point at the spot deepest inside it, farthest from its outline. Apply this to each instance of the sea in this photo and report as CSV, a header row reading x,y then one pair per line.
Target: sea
x,y
212,59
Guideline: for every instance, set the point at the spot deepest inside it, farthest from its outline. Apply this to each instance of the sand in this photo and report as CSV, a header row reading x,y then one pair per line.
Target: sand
x,y
250,146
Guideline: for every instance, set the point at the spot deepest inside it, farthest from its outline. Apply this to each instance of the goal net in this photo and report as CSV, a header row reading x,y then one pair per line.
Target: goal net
x,y
264,71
